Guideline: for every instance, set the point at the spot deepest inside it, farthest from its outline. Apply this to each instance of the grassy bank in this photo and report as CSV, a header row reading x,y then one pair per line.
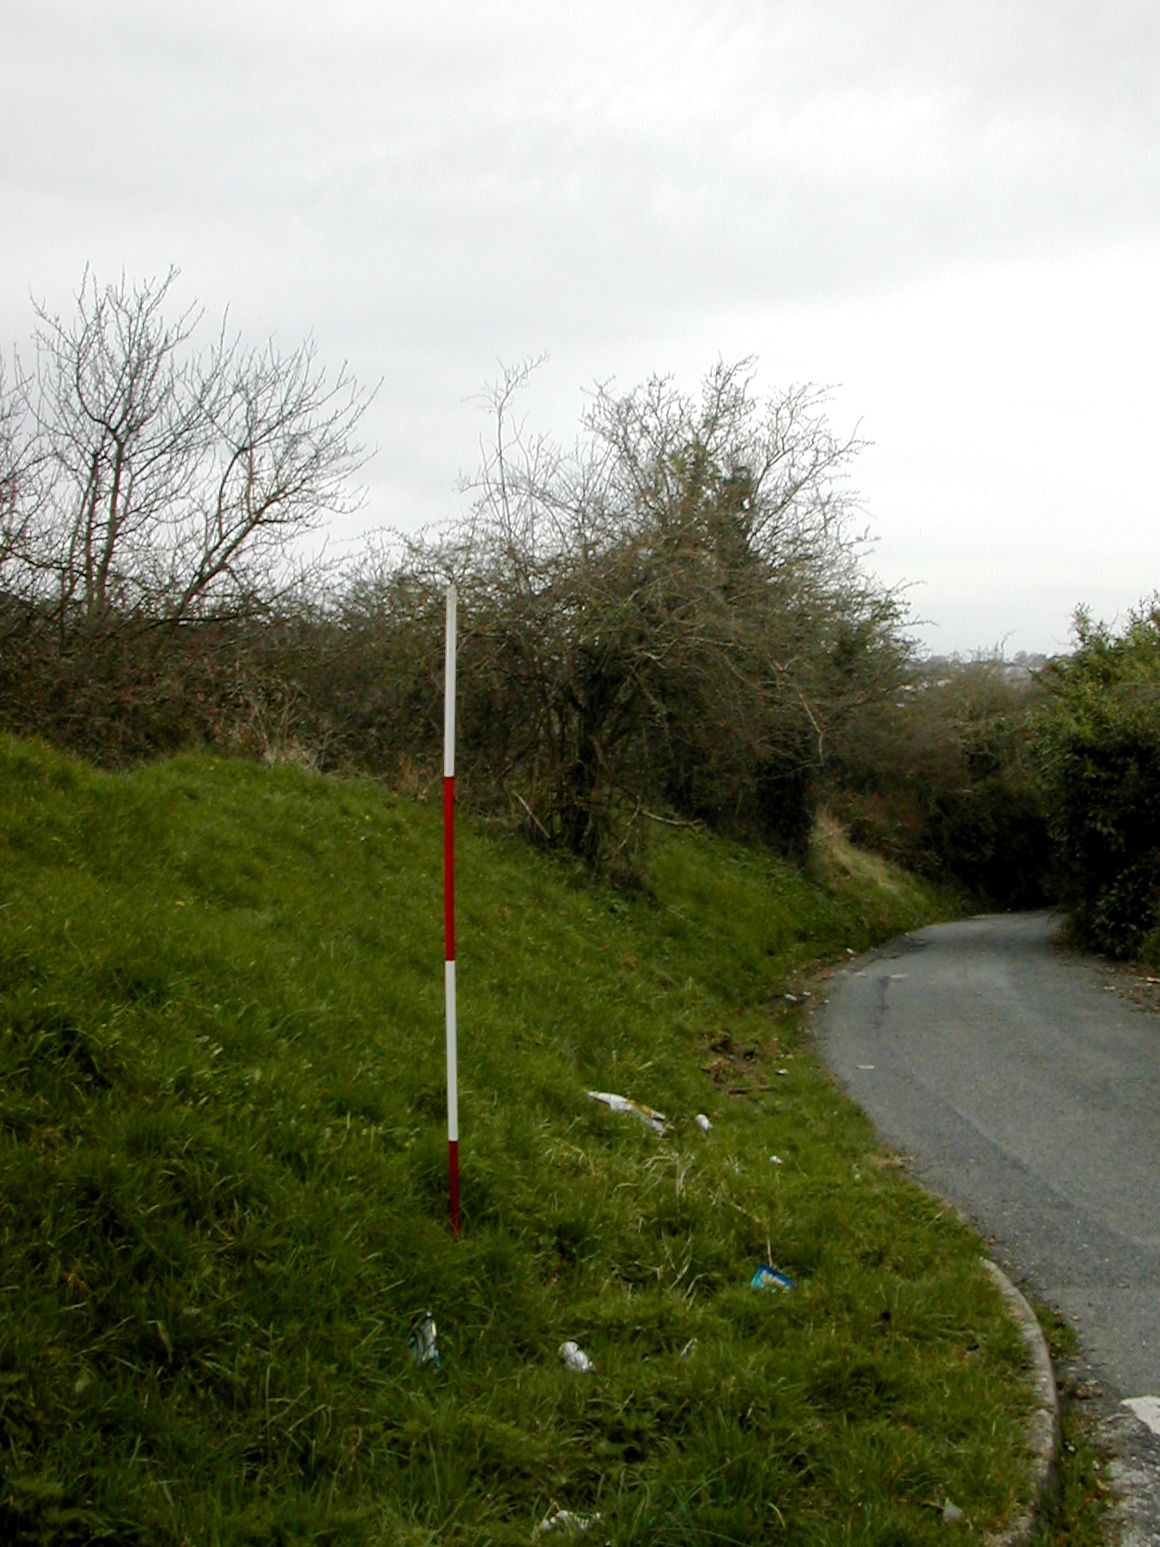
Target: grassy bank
x,y
223,1190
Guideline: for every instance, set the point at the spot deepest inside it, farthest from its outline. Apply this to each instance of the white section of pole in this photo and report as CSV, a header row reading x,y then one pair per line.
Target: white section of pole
x,y
449,686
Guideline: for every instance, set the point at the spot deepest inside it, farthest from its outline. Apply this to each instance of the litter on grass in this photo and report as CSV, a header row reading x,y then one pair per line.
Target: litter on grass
x,y
424,1349
657,1121
771,1278
566,1520
575,1358
702,1122
776,1160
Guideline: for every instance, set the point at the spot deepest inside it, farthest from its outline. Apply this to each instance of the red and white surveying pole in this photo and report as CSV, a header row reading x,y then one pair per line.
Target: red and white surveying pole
x,y
449,912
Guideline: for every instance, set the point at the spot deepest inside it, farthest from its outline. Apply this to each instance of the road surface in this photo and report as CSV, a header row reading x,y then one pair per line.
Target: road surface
x,y
1025,1089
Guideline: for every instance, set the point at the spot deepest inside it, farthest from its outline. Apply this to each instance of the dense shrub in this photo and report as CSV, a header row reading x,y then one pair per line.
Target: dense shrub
x,y
942,778
1099,750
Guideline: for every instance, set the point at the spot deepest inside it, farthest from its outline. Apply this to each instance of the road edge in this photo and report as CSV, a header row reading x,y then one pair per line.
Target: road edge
x,y
1044,1436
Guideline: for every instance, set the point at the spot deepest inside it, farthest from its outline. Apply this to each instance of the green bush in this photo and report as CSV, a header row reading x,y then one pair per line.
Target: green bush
x,y
1099,752
943,779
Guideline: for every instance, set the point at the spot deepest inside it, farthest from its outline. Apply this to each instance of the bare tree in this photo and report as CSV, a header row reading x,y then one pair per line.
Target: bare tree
x,y
21,488
660,616
179,477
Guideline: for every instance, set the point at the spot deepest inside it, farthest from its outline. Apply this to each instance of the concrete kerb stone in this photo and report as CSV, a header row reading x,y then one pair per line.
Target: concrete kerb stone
x,y
1043,1430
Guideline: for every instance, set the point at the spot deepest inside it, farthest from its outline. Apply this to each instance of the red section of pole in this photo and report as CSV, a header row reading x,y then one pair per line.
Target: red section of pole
x,y
449,869
449,969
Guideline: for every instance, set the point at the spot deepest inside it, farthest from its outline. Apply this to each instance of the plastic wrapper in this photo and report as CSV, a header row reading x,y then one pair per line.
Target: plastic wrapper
x,y
771,1278
566,1520
424,1349
657,1121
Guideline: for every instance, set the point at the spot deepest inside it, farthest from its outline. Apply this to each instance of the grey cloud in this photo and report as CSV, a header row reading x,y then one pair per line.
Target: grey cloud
x,y
431,189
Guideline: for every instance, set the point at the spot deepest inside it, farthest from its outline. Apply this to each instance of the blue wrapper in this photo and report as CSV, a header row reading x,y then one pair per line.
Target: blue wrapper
x,y
771,1278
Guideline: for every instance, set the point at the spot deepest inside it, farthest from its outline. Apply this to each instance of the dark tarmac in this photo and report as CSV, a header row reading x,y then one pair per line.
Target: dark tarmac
x,y
1022,1083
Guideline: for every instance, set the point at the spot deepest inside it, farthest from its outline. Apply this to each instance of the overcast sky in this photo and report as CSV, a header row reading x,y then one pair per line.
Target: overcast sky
x,y
948,210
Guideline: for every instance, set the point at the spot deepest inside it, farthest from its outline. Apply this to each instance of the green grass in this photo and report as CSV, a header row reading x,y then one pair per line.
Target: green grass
x,y
223,1190
1077,1512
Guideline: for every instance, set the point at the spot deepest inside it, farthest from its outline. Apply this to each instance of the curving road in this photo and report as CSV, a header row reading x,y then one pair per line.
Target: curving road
x,y
1025,1090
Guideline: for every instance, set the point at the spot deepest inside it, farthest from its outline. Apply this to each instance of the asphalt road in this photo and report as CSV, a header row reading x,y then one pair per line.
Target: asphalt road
x,y
1026,1090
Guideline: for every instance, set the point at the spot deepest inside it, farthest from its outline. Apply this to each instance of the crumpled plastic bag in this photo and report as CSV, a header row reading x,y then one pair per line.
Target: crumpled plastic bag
x,y
575,1358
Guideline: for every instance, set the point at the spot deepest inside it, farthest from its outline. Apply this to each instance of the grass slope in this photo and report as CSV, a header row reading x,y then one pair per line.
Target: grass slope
x,y
223,1191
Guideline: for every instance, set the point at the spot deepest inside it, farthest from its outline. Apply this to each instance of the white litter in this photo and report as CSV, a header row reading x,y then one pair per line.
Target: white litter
x,y
657,1121
424,1349
575,1358
776,1160
566,1520
1146,1409
702,1122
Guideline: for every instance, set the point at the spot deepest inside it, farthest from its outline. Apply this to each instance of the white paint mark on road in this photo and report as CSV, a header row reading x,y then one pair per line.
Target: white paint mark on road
x,y
1147,1410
